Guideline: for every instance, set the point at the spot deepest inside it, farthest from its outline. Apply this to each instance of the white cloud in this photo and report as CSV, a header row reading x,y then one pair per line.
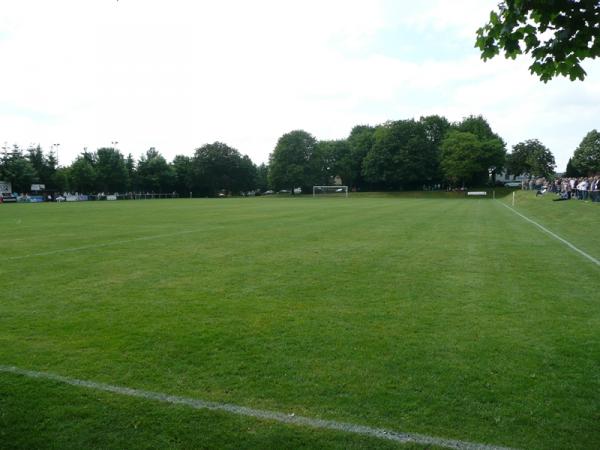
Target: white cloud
x,y
459,17
177,74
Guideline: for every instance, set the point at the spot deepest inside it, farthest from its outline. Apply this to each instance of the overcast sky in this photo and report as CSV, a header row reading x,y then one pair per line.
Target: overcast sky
x,y
177,74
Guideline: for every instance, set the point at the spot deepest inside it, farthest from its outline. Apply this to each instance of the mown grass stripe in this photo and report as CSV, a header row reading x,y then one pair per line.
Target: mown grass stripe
x,y
554,235
256,413
103,244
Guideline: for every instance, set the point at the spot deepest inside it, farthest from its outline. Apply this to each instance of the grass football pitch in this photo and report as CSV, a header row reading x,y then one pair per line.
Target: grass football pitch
x,y
452,318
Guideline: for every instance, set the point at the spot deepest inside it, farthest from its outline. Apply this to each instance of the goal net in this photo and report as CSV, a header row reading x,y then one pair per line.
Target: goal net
x,y
330,191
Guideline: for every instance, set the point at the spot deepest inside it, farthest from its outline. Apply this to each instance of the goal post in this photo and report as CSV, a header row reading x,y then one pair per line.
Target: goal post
x,y
330,191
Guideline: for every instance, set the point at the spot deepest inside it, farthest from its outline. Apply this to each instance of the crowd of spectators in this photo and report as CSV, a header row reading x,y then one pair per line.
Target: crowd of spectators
x,y
583,188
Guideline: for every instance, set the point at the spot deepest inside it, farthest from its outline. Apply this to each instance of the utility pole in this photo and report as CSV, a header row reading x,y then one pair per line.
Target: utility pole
x,y
55,149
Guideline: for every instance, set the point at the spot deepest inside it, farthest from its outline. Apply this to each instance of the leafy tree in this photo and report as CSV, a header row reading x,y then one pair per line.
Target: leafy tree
x,y
478,126
45,166
50,168
466,158
294,161
182,168
89,156
587,156
246,174
154,173
532,158
460,152
360,141
82,175
217,167
402,156
436,128
111,172
571,170
558,34
35,155
335,160
17,169
262,177
61,178
131,172
21,174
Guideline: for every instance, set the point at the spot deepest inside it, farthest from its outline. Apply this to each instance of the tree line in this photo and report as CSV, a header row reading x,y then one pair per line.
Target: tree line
x,y
395,155
212,169
406,154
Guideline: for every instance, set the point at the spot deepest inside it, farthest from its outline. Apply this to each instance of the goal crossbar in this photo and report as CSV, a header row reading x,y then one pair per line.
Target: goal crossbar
x,y
330,190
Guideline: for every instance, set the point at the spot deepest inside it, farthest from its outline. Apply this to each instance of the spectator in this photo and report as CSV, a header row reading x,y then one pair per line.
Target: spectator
x,y
583,188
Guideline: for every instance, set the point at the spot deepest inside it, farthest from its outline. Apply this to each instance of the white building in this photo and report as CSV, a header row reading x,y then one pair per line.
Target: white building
x,y
504,177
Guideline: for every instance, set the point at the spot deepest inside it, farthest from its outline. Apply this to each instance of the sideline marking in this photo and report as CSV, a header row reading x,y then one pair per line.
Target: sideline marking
x,y
105,244
257,413
554,235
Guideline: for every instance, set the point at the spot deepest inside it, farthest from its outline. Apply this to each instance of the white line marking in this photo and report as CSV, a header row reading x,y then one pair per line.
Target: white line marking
x,y
257,413
554,235
105,244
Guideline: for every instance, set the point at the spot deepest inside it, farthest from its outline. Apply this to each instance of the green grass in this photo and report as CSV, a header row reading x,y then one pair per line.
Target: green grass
x,y
455,319
47,415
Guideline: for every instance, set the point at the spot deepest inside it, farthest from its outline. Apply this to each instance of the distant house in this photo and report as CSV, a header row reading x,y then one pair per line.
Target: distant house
x,y
505,177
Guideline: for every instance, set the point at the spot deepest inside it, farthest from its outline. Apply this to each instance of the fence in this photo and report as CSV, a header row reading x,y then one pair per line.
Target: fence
x,y
114,197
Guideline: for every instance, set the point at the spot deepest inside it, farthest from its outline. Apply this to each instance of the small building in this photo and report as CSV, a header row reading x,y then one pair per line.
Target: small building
x,y
505,177
6,194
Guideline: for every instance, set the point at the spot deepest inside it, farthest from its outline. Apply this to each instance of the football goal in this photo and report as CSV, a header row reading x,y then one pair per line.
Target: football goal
x,y
330,191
